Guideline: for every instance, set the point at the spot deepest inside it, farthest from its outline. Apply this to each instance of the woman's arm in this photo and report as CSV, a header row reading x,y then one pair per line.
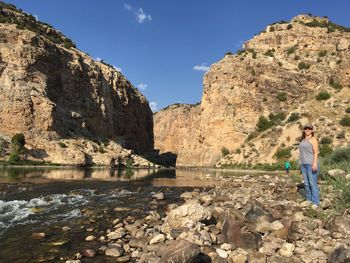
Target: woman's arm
x,y
314,144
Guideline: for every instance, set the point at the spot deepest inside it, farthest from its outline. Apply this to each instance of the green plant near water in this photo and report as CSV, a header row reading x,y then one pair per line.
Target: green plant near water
x,y
17,143
224,151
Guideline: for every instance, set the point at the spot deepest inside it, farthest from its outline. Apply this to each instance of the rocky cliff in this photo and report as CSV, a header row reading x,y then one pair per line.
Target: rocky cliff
x,y
62,100
255,101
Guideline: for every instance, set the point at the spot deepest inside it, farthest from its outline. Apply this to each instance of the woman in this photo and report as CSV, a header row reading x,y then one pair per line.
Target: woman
x,y
308,150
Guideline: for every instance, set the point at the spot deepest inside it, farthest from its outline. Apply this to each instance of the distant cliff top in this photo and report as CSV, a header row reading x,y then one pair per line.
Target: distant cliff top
x,y
10,14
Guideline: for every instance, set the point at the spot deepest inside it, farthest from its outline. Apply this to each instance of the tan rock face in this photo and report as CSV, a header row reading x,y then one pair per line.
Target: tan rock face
x,y
50,92
240,88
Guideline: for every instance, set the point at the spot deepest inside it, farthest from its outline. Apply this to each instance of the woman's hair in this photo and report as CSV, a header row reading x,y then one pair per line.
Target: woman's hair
x,y
303,135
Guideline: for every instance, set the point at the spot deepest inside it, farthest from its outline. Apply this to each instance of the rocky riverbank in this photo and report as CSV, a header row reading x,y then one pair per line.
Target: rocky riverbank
x,y
251,219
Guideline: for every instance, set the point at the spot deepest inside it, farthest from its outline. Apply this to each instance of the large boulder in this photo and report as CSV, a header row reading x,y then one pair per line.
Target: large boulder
x,y
186,215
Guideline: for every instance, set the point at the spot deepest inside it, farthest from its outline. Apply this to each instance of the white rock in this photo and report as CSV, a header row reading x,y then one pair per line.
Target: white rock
x,y
114,250
226,246
286,250
276,225
157,239
158,196
90,238
221,253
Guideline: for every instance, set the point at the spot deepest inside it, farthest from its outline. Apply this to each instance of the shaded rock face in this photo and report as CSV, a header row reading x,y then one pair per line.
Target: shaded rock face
x,y
281,71
50,92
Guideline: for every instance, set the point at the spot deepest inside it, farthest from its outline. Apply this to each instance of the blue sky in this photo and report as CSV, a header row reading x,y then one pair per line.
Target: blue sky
x,y
165,46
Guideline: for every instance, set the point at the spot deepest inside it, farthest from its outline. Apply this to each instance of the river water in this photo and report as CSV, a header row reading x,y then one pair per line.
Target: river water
x,y
69,204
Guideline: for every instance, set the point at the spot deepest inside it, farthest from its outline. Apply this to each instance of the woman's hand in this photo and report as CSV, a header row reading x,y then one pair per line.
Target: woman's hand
x,y
314,167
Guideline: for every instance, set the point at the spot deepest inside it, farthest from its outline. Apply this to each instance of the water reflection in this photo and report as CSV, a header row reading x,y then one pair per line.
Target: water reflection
x,y
158,177
37,174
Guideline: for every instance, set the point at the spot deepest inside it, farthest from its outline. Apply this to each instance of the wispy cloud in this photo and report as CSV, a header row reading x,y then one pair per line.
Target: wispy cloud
x,y
201,67
142,86
153,105
36,17
140,15
98,59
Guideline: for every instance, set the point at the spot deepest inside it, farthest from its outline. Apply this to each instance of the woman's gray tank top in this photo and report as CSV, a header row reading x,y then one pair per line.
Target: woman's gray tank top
x,y
306,152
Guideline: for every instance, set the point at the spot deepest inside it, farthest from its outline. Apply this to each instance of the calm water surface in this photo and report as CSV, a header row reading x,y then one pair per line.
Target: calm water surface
x,y
84,200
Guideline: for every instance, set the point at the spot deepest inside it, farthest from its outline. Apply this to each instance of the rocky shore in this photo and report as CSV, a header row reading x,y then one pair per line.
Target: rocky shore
x,y
260,218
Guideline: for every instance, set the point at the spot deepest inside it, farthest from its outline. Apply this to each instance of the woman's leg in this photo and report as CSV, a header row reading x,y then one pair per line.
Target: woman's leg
x,y
305,171
315,191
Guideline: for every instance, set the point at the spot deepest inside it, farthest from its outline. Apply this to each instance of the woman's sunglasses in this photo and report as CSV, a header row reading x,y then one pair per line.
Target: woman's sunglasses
x,y
308,128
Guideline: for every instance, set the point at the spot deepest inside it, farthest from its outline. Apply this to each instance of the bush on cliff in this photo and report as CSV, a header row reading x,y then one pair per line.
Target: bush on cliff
x,y
323,95
282,153
224,151
17,142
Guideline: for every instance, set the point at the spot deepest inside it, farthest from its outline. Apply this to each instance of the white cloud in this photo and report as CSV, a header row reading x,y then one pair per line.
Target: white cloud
x,y
98,59
142,86
128,7
116,68
153,105
140,15
201,67
36,17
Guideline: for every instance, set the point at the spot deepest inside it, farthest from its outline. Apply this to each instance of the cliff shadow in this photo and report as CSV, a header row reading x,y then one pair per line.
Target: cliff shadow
x,y
87,105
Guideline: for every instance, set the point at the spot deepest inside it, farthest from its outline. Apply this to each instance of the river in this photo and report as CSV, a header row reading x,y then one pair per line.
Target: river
x,y
66,205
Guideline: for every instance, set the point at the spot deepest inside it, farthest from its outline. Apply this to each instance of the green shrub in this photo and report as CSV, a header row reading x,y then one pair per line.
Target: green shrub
x,y
296,57
62,144
241,51
272,29
224,151
289,26
291,49
340,155
238,151
347,110
335,84
323,95
345,121
282,96
303,65
283,153
129,162
269,53
322,53
14,158
252,135
277,118
229,53
17,142
325,150
326,140
254,55
280,63
263,124
293,117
